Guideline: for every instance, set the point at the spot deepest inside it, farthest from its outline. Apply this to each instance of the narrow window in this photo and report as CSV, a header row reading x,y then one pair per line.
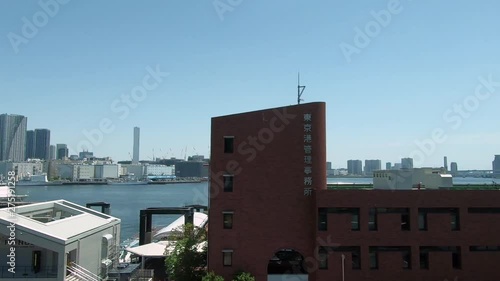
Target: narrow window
x,y
456,259
228,220
455,221
405,222
373,260
356,260
422,221
228,183
322,219
323,258
424,260
406,259
227,258
228,144
372,220
355,220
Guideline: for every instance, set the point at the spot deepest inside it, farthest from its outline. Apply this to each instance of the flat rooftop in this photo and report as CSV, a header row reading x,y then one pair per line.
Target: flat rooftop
x,y
58,220
335,186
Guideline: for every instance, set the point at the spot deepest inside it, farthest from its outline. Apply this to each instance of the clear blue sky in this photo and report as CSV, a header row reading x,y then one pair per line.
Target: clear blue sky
x,y
392,92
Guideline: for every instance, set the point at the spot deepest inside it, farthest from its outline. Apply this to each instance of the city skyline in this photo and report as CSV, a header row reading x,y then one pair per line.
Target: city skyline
x,y
183,153
412,81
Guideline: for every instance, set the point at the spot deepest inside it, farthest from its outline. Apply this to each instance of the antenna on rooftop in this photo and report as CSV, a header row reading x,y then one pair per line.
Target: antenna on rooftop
x,y
300,90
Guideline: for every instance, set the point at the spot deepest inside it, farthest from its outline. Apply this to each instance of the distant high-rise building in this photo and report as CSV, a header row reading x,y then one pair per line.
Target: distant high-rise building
x,y
62,151
454,168
397,166
388,165
496,166
354,167
372,165
85,154
328,166
42,144
52,152
406,163
13,137
135,157
30,144
445,163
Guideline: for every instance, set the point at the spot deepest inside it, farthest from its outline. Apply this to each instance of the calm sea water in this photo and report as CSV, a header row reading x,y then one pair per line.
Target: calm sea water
x,y
127,200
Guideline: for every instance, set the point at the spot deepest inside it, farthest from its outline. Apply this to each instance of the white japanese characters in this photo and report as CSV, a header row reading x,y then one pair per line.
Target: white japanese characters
x,y
308,179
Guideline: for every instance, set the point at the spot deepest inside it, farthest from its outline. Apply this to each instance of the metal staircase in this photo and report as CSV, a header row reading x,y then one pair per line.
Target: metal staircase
x,y
79,273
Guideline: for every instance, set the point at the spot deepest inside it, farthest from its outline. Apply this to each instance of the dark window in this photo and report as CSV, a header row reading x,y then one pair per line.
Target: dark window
x,y
322,219
323,258
227,258
484,248
373,260
372,220
228,144
424,260
355,222
228,220
422,221
228,183
406,259
356,260
456,259
455,221
405,222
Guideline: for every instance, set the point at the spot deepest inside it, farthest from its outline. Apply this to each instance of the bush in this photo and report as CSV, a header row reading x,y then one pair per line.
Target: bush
x,y
244,276
211,276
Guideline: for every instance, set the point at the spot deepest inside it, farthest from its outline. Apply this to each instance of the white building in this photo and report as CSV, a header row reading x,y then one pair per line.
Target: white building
x,y
407,179
159,170
22,169
83,172
136,170
107,171
52,240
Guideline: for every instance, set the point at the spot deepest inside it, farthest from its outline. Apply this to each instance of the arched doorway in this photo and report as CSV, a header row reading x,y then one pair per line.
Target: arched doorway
x,y
287,264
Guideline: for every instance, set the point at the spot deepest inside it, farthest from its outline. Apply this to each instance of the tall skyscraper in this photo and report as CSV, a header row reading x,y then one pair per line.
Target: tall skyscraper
x,y
61,151
446,163
328,166
13,137
30,144
406,163
135,158
388,165
354,167
52,152
454,168
496,166
42,144
372,165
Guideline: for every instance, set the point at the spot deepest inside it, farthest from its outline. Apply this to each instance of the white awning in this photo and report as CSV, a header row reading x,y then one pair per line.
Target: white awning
x,y
148,250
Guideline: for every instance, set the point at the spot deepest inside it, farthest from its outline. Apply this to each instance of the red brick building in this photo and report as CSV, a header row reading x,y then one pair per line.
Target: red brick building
x,y
272,215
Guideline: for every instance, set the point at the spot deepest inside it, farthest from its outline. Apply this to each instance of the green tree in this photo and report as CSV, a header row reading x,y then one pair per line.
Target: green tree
x,y
244,276
186,257
211,276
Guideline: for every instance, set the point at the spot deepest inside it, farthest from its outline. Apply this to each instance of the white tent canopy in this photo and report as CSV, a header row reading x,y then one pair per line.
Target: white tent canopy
x,y
149,250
